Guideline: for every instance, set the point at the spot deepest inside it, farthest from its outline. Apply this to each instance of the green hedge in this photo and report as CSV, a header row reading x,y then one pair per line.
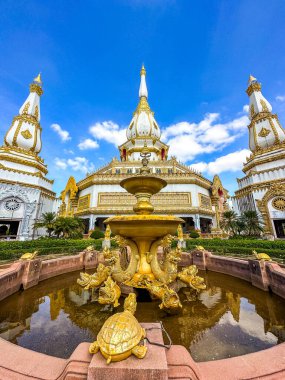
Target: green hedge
x,y
243,247
11,250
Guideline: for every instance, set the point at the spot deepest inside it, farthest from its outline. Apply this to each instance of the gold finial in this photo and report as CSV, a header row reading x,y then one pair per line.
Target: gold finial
x,y
251,79
143,70
38,79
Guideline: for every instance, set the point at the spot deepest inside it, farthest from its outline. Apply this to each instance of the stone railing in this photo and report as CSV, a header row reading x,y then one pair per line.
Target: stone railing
x,y
159,364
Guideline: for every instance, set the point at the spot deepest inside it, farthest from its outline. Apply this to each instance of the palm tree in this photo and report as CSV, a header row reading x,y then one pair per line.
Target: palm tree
x,y
47,221
253,225
228,223
68,226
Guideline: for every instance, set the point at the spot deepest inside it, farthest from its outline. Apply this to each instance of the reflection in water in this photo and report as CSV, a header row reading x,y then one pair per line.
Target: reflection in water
x,y
230,317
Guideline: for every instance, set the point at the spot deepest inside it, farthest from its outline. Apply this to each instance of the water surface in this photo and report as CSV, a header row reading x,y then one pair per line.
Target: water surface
x,y
230,318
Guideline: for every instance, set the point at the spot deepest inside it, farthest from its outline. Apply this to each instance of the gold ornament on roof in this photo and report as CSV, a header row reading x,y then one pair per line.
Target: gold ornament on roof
x,y
264,132
143,70
38,79
251,79
121,334
264,106
26,134
26,108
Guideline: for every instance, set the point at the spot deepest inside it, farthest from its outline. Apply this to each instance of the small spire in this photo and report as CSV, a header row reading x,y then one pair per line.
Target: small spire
x,y
143,88
251,79
143,70
38,79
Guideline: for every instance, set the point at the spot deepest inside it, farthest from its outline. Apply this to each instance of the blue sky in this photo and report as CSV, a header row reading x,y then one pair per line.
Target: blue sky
x,y
198,56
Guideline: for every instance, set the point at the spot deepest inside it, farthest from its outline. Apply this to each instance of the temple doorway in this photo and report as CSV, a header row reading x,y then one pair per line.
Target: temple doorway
x,y
205,225
9,229
279,225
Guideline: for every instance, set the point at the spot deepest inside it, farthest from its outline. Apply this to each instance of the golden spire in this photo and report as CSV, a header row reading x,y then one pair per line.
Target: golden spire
x,y
251,79
143,70
38,79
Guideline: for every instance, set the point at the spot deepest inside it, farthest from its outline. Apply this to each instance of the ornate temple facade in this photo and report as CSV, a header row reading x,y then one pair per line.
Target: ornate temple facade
x,y
263,187
199,201
25,191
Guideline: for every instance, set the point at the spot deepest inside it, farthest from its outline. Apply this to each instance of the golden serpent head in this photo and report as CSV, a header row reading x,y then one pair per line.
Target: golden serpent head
x,y
130,303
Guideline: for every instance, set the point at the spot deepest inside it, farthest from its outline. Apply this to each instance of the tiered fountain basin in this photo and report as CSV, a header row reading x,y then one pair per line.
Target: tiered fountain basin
x,y
20,363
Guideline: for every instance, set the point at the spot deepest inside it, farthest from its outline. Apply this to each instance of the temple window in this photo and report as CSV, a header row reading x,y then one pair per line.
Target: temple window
x,y
118,171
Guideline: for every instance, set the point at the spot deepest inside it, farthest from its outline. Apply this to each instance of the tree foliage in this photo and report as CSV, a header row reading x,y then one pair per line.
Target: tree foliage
x,y
248,224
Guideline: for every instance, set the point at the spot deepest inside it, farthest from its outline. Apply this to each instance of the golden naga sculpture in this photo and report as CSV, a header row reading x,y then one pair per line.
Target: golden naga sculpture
x,y
90,281
121,334
169,298
180,232
90,248
261,256
110,293
108,232
29,256
189,276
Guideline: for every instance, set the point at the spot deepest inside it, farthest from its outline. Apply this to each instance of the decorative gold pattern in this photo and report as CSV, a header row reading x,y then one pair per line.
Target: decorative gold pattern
x,y
83,202
264,106
26,134
37,112
26,108
254,86
252,111
205,201
264,132
20,160
36,88
279,203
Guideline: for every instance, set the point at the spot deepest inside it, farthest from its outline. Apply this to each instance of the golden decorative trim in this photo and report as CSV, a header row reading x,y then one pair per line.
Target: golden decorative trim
x,y
26,108
14,141
264,132
264,106
22,161
47,193
38,174
70,187
277,140
277,189
256,172
254,187
252,111
37,112
250,164
83,203
22,151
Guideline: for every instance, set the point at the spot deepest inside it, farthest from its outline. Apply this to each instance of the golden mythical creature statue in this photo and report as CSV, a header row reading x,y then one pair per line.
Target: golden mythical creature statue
x,y
113,259
29,256
109,293
90,248
261,256
180,232
189,276
108,232
169,298
120,335
89,281
199,248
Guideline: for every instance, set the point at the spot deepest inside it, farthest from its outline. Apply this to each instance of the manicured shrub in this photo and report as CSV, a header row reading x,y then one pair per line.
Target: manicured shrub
x,y
97,234
194,234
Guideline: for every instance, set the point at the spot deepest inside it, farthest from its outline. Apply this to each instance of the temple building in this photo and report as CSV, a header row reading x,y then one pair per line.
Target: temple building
x,y
198,200
25,191
263,187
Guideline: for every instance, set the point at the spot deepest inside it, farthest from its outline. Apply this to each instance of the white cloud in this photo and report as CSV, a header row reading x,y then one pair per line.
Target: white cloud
x,y
245,108
231,162
77,164
88,144
280,98
187,140
108,131
68,151
64,135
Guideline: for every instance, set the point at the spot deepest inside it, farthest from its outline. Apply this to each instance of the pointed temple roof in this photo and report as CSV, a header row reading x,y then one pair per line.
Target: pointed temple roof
x,y
265,130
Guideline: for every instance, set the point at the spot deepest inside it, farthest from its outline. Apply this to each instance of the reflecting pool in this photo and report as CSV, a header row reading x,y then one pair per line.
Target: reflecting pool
x,y
229,318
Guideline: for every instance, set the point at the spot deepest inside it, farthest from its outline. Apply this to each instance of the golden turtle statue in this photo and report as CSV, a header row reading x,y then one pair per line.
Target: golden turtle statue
x,y
29,256
199,248
120,335
261,256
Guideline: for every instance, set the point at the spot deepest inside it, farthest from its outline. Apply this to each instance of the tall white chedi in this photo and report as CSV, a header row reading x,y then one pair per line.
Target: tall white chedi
x,y
143,129
263,187
25,191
